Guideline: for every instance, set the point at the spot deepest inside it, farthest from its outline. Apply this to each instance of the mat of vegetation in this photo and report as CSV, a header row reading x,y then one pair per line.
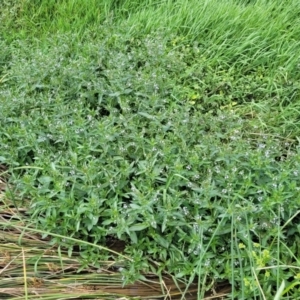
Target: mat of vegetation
x,y
172,126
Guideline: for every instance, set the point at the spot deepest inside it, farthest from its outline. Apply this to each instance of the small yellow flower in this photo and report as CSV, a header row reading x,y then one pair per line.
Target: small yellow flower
x,y
266,254
267,274
195,96
242,246
297,276
256,245
260,262
247,282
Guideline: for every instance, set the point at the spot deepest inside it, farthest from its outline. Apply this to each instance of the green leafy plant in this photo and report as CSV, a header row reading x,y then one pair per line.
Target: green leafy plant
x,y
175,142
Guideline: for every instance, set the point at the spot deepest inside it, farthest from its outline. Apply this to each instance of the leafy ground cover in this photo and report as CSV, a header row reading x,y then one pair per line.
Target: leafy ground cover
x,y
171,126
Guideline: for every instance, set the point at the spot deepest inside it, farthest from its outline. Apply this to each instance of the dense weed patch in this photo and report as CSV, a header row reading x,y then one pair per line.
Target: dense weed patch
x,y
186,151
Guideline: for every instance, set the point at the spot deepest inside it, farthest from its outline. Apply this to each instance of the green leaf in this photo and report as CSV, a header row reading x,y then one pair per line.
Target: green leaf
x,y
146,115
280,291
78,225
162,241
45,179
138,227
180,274
163,226
70,251
291,286
90,225
107,222
133,237
94,220
135,206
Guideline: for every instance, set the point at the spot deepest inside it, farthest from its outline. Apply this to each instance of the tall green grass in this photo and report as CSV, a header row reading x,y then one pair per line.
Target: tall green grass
x,y
265,32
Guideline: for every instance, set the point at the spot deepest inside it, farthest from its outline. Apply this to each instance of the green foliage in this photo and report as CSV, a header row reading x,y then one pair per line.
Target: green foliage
x,y
181,145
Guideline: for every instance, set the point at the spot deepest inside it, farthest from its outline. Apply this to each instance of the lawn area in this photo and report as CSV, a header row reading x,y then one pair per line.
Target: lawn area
x,y
168,127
